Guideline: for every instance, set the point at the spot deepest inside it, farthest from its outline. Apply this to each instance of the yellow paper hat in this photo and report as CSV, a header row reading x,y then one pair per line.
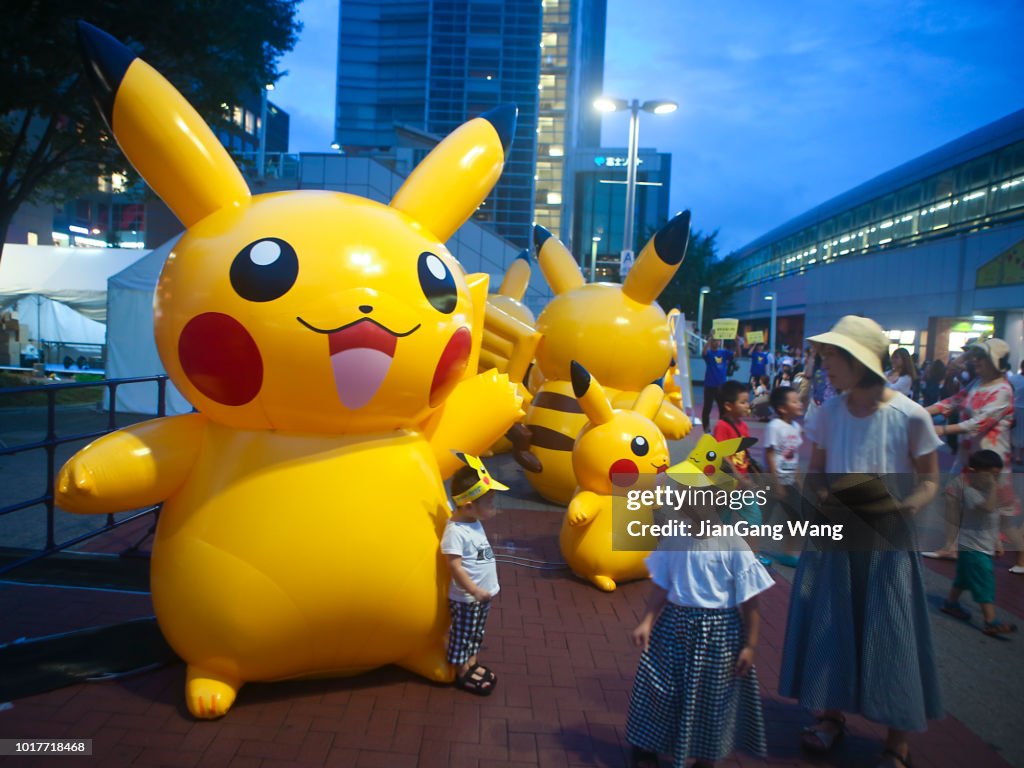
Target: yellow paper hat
x,y
483,484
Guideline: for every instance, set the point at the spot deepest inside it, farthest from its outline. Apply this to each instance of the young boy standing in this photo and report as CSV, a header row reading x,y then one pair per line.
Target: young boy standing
x,y
975,492
781,457
474,573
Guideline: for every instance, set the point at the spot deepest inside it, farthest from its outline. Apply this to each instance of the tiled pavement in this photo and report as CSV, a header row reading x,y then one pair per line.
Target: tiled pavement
x,y
560,648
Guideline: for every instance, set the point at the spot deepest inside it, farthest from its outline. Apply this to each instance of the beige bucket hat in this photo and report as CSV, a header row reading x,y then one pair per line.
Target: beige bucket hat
x,y
996,350
862,337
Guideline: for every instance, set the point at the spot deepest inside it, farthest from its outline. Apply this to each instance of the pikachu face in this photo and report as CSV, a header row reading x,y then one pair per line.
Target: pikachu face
x,y
703,467
617,332
618,448
303,311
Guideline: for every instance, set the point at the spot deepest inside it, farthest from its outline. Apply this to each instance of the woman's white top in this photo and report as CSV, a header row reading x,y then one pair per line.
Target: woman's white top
x,y
887,441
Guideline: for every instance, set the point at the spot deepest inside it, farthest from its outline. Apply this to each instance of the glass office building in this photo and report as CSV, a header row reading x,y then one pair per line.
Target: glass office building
x,y
433,64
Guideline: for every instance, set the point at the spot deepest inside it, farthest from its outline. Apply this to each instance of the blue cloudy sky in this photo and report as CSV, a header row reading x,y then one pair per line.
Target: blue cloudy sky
x,y
783,104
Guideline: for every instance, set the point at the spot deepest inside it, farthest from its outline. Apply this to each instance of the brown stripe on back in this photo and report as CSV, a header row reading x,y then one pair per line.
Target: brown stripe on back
x,y
553,440
557,402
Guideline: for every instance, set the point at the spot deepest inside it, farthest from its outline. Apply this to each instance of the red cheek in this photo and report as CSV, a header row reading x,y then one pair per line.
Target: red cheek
x,y
220,358
451,365
709,469
623,473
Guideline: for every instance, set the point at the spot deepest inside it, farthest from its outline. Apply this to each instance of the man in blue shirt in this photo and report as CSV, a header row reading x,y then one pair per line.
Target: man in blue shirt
x,y
716,371
758,364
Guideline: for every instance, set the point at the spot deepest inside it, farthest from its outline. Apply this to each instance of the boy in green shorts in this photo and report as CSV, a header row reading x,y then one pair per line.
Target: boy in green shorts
x,y
975,492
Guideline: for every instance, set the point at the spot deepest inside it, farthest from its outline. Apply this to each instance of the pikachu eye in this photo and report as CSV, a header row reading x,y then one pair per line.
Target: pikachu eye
x,y
264,270
640,446
711,456
437,283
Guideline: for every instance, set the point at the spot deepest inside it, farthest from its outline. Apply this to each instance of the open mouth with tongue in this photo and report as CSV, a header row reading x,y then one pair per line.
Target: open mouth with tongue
x,y
361,355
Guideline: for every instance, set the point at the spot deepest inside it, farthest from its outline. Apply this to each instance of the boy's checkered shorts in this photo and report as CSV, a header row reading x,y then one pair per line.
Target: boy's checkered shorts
x,y
467,632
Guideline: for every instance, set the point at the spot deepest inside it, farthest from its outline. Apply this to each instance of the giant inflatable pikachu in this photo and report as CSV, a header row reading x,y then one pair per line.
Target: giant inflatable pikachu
x,y
617,332
330,345
617,449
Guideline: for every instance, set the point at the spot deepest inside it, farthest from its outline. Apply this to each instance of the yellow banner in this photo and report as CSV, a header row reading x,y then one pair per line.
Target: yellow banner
x,y
725,327
755,337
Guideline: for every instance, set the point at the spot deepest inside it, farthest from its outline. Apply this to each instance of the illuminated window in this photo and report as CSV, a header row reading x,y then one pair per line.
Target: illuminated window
x,y
554,198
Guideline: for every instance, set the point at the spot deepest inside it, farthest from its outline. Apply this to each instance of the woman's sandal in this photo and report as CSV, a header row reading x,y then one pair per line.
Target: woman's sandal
x,y
890,758
642,758
824,740
477,679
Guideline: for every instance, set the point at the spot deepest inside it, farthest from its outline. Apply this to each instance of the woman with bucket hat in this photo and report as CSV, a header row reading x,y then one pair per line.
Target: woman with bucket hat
x,y
858,634
986,412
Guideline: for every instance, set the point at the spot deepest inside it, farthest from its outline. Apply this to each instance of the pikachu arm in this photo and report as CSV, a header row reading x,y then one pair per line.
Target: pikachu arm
x,y
133,467
583,508
479,411
670,419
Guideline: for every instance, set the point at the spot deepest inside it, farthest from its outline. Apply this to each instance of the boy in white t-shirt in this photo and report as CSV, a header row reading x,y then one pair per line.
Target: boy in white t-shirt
x,y
474,573
782,442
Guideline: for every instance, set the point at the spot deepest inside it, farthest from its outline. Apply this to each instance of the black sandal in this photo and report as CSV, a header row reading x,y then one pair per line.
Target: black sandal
x,y
643,758
478,680
827,740
903,762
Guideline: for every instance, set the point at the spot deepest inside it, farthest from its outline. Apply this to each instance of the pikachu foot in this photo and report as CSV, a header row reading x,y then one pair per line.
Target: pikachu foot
x,y
431,664
209,697
603,583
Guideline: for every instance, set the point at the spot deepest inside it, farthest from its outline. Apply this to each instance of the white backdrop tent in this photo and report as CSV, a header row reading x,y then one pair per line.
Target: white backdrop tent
x,y
53,321
131,349
74,276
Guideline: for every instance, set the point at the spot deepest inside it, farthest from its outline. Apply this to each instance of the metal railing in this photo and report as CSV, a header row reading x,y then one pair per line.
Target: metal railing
x,y
50,443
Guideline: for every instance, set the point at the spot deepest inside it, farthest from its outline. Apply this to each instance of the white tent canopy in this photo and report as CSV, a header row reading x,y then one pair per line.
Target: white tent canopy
x,y
131,349
53,321
74,276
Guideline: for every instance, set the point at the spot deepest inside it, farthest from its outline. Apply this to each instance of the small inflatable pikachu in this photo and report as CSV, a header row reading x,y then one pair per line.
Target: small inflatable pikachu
x,y
617,449
330,345
617,332
703,467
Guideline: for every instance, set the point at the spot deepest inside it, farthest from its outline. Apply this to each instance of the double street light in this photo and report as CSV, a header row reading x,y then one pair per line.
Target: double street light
x,y
657,107
704,291
774,299
261,155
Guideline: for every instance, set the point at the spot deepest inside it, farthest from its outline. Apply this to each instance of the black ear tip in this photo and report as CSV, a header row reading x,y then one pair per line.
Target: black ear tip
x,y
580,379
671,240
503,118
540,236
747,442
524,255
106,61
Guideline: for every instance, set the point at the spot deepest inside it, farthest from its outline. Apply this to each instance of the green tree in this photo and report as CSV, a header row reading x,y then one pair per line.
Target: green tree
x,y
53,142
700,267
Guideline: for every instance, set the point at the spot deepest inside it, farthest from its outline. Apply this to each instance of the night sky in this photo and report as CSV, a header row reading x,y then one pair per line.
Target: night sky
x,y
782,105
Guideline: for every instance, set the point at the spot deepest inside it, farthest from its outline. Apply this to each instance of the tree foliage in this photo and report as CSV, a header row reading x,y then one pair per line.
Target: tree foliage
x,y
52,138
701,267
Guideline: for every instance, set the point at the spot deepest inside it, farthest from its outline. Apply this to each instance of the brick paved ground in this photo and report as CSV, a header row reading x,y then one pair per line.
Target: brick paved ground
x,y
560,647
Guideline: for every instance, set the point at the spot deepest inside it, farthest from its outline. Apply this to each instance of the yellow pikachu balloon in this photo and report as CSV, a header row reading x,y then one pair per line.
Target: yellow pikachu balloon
x,y
330,346
618,449
617,332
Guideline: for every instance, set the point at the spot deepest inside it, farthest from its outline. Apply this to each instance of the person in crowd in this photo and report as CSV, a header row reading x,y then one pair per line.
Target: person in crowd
x,y
758,366
474,573
931,389
716,371
784,378
858,633
782,442
903,374
974,495
760,406
815,390
696,693
985,418
1017,438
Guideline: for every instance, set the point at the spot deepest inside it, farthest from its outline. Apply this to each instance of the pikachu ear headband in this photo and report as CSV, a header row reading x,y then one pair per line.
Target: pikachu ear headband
x,y
483,484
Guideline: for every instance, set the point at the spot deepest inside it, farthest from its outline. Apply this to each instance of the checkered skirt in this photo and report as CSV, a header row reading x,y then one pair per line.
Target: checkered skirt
x,y
686,700
467,631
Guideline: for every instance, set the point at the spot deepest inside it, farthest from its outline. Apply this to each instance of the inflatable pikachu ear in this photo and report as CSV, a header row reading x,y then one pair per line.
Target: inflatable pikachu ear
x,y
517,278
451,182
649,401
658,261
590,395
160,133
557,264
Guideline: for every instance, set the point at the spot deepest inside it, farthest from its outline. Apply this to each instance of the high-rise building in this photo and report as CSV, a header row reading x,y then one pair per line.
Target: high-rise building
x,y
432,64
571,77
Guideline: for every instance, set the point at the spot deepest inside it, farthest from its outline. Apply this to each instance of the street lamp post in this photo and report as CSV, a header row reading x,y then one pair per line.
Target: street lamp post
x,y
774,299
261,155
658,107
704,290
593,257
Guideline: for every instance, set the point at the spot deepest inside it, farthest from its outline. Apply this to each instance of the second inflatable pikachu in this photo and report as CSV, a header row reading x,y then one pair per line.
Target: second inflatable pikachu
x,y
618,450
